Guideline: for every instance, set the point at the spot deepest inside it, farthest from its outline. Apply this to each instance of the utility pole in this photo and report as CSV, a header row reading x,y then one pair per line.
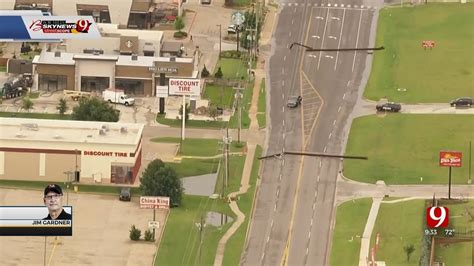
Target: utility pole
x,y
220,40
200,227
470,162
227,141
238,98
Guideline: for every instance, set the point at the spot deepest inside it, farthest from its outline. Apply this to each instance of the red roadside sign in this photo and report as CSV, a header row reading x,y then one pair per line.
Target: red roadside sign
x,y
450,158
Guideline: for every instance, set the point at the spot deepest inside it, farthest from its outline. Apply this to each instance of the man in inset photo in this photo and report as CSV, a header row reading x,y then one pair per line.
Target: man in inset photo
x,y
53,196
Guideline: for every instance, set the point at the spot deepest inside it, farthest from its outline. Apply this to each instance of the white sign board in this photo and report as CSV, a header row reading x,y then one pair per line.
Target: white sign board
x,y
154,202
191,87
153,224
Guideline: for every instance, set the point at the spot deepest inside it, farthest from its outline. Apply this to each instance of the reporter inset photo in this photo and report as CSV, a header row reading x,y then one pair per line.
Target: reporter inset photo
x,y
53,197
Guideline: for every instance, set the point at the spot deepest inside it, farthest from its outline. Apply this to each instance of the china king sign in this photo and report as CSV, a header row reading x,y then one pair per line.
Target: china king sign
x,y
450,158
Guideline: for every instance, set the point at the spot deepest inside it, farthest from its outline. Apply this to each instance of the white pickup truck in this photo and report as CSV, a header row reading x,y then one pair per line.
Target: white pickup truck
x,y
117,96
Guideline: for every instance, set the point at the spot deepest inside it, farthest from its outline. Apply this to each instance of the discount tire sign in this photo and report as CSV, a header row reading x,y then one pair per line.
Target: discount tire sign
x,y
450,158
189,87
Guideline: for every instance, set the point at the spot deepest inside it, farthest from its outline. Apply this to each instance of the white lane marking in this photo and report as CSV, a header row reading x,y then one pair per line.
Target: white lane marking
x,y
283,162
321,18
356,6
284,58
322,4
283,71
289,33
330,135
314,205
317,180
283,96
275,208
335,18
283,109
280,177
332,37
349,6
268,238
307,249
315,36
344,96
334,123
309,234
278,192
263,256
357,40
311,221
325,148
315,193
324,34
320,164
339,109
313,56
335,5
342,5
289,4
329,56
271,225
362,6
329,5
283,83
340,38
283,122
292,21
295,9
348,83
296,4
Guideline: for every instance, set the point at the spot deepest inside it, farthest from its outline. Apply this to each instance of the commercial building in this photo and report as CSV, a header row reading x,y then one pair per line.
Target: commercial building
x,y
43,150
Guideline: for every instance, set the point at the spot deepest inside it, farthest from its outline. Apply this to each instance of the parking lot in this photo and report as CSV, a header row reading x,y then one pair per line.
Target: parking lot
x,y
101,225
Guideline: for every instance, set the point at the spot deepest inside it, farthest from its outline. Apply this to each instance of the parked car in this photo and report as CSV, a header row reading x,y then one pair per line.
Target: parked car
x,y
389,107
294,101
232,29
463,101
125,194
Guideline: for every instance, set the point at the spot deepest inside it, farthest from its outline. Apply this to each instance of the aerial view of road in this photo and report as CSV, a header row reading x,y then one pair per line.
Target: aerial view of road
x,y
295,204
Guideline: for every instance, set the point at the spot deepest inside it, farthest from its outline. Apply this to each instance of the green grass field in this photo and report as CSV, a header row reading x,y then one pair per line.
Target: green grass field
x,y
403,148
221,96
194,167
436,75
351,218
180,242
235,244
233,68
35,115
200,147
246,102
409,229
261,116
399,225
236,167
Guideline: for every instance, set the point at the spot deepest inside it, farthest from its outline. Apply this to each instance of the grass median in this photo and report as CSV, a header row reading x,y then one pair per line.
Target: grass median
x,y
404,149
351,218
35,115
200,147
261,116
405,72
160,118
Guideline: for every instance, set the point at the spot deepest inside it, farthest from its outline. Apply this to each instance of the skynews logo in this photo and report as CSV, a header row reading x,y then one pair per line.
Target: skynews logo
x,y
437,217
60,26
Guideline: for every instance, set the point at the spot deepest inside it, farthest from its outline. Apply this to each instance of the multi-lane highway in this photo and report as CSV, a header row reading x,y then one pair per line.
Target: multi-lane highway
x,y
295,203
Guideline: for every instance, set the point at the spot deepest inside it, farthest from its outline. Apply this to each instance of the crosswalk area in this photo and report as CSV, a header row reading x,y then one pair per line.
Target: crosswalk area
x,y
327,5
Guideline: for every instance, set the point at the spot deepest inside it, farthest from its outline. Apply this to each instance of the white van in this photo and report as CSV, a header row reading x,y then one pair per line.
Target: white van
x,y
117,96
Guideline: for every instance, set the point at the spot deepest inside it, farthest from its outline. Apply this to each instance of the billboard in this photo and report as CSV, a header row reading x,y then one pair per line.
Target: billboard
x,y
154,202
33,221
189,87
450,158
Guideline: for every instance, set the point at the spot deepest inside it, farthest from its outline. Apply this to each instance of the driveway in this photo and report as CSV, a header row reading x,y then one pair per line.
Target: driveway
x,y
100,233
368,108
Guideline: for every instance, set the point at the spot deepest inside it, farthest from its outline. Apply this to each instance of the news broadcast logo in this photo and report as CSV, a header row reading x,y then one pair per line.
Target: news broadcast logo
x,y
450,158
61,26
437,217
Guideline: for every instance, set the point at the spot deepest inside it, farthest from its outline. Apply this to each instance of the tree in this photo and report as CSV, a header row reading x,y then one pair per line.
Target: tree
x,y
27,104
62,106
205,72
148,235
218,74
408,250
95,109
213,112
188,110
159,179
179,23
135,233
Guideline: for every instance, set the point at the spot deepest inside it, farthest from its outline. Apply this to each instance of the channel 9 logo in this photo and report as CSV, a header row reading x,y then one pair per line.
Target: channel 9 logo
x,y
437,217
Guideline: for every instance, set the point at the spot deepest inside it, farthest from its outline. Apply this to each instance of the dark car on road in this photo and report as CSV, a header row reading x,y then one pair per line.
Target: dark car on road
x,y
125,194
389,107
294,101
464,101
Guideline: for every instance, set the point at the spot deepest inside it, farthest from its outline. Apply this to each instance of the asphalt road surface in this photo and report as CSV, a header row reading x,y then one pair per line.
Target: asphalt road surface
x,y
293,216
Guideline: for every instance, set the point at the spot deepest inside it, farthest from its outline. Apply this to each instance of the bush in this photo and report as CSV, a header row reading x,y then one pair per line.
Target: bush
x,y
180,34
205,73
148,235
233,54
135,233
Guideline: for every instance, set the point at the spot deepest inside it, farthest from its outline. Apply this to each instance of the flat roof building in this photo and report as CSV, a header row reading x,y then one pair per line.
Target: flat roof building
x,y
42,150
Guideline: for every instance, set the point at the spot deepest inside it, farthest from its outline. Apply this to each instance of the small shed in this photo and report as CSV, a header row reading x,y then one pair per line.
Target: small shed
x,y
19,66
172,49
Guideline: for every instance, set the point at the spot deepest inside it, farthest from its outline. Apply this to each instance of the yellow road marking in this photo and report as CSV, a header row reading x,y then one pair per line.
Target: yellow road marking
x,y
52,251
319,110
284,260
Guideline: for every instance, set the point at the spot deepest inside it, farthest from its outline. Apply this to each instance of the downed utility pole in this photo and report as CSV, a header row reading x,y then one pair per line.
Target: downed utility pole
x,y
311,49
313,154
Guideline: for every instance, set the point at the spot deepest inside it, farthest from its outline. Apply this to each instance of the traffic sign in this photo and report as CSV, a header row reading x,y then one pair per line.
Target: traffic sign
x,y
153,224
238,18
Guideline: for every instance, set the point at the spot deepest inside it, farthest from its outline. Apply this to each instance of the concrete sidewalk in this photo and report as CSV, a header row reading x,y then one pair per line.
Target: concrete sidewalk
x,y
369,227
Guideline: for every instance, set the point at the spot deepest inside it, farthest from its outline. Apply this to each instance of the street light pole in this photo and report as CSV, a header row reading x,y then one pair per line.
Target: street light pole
x,y
220,40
